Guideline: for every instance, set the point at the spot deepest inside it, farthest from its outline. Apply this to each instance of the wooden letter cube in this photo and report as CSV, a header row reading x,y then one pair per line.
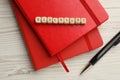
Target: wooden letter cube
x,y
37,19
44,19
66,20
55,20
77,20
72,20
83,20
50,20
61,20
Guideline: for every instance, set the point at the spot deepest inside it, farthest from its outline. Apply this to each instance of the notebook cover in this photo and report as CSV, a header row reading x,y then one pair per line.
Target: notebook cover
x,y
57,37
39,54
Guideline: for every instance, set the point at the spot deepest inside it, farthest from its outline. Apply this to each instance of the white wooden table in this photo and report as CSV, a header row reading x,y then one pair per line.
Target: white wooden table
x,y
15,63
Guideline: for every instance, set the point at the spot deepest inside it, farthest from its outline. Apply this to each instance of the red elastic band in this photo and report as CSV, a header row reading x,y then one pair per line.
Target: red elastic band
x,y
90,12
88,42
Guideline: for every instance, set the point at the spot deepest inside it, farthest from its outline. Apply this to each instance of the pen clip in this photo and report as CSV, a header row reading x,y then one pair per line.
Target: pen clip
x,y
117,42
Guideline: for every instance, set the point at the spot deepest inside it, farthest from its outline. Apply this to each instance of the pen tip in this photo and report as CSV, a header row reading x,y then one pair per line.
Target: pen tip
x,y
87,66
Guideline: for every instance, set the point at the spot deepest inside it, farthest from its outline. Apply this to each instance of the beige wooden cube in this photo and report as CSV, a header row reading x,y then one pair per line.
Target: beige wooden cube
x,y
49,20
44,20
55,20
60,20
37,19
78,20
72,20
83,20
66,20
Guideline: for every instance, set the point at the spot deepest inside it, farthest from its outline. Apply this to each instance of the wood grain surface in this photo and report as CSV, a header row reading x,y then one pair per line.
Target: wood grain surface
x,y
15,63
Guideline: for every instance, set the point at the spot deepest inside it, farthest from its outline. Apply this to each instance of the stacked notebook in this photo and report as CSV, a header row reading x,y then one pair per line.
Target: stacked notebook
x,y
49,44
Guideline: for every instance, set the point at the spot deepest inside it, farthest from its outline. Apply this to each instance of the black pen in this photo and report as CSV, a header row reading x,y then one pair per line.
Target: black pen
x,y
113,42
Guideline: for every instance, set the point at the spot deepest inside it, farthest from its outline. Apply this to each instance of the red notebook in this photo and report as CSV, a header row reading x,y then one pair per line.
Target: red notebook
x,y
58,37
39,54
